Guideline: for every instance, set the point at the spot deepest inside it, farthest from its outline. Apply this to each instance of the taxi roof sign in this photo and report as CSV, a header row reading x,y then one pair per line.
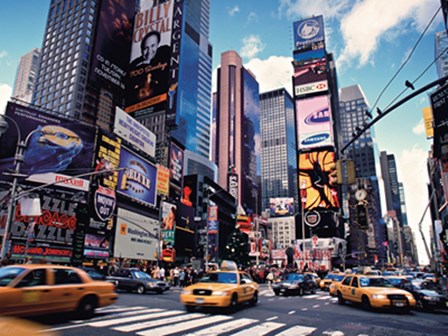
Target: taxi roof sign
x,y
228,265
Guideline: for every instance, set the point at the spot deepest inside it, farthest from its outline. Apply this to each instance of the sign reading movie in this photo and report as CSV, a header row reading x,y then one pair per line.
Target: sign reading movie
x,y
309,32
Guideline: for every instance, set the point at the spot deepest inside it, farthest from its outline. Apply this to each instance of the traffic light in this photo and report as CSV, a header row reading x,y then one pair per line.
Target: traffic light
x,y
351,172
362,216
335,176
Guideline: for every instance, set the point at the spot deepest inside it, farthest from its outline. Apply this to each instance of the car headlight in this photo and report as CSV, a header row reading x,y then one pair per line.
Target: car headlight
x,y
151,284
220,293
430,298
186,291
379,296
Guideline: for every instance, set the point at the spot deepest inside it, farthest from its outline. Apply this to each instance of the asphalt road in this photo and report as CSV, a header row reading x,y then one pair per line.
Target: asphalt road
x,y
319,314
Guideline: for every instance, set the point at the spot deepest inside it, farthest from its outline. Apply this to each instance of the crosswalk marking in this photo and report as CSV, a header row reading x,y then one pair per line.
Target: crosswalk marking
x,y
156,323
224,327
325,297
297,331
172,329
260,330
312,296
112,309
108,323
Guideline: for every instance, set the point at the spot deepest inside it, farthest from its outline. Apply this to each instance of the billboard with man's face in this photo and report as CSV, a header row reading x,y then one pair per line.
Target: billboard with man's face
x,y
154,60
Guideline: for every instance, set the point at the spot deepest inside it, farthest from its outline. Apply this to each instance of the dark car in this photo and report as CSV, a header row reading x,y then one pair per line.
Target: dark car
x,y
295,283
132,279
427,297
96,275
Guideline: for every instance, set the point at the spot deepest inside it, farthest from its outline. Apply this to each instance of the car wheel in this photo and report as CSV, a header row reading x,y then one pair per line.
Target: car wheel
x,y
313,290
140,289
366,303
233,303
189,309
254,300
420,305
277,293
301,291
86,307
341,300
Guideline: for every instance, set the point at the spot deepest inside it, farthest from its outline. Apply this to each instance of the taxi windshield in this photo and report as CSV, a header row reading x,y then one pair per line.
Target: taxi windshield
x,y
220,277
375,282
339,277
8,274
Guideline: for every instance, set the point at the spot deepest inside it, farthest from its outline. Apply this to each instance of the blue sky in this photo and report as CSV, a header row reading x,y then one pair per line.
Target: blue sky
x,y
369,39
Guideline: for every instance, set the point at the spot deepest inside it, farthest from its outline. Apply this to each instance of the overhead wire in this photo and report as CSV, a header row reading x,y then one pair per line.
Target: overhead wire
x,y
407,59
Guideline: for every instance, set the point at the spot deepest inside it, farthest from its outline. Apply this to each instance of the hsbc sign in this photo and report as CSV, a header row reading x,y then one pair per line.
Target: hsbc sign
x,y
305,89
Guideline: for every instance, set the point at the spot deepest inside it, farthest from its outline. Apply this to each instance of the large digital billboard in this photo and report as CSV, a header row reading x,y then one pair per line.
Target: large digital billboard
x,y
281,206
138,179
310,78
314,170
154,61
54,145
314,127
113,43
309,33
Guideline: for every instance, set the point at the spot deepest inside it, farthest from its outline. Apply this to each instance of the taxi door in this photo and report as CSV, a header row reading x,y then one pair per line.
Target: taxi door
x,y
354,294
67,289
30,295
247,287
345,287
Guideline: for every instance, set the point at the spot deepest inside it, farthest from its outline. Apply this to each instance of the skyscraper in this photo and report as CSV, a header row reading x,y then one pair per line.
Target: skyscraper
x,y
238,132
353,107
278,147
440,55
26,76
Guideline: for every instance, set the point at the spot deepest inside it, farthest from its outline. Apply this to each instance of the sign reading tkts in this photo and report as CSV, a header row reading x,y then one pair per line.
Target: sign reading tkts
x,y
56,224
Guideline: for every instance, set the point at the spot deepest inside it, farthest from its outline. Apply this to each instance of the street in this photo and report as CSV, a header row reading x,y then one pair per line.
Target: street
x,y
319,314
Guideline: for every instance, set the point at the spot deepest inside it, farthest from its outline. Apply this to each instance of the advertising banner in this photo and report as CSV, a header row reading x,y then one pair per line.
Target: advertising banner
x,y
152,67
428,120
54,145
107,157
281,206
308,57
112,45
314,122
135,236
213,220
138,181
135,133
163,180
312,72
308,32
176,164
189,190
314,170
169,211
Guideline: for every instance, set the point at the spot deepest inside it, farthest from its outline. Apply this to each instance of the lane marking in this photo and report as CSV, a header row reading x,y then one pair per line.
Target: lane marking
x,y
272,318
223,327
292,312
297,331
156,323
260,330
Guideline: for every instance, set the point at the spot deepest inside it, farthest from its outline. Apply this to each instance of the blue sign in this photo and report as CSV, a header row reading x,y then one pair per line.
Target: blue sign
x,y
138,180
308,31
315,139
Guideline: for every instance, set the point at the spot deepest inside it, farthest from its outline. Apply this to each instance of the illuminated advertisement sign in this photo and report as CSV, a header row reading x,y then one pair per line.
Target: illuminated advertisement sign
x,y
281,206
305,89
134,132
138,180
108,151
135,236
314,122
169,211
54,144
154,62
310,73
314,170
309,31
176,164
307,57
112,46
163,180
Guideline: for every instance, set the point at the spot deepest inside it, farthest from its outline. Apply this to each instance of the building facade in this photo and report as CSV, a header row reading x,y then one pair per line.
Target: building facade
x,y
26,76
278,147
238,132
440,56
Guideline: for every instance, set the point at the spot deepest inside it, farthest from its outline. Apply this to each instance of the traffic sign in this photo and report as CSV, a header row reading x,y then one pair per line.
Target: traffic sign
x,y
314,240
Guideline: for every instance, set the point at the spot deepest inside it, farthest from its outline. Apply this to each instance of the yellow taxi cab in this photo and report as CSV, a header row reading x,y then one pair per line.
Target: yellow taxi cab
x,y
373,292
22,327
34,289
325,283
226,287
337,278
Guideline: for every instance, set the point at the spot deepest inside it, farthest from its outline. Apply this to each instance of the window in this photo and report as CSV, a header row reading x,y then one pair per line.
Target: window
x,y
37,277
66,276
355,282
346,281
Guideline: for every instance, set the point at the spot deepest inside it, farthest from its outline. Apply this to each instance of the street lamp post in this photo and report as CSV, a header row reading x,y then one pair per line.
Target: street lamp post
x,y
303,195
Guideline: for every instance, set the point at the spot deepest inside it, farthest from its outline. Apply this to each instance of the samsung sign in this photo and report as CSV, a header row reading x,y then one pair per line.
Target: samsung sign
x,y
315,139
301,90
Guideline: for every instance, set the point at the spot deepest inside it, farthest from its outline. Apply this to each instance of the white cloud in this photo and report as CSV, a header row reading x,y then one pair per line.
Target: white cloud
x,y
307,8
252,45
3,53
419,128
412,172
272,73
370,21
232,11
5,95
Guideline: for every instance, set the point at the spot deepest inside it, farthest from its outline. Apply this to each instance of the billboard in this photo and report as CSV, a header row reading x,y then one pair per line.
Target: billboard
x,y
112,45
309,33
314,127
54,145
135,133
154,61
163,180
307,57
314,170
281,206
138,180
312,72
135,236
176,165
